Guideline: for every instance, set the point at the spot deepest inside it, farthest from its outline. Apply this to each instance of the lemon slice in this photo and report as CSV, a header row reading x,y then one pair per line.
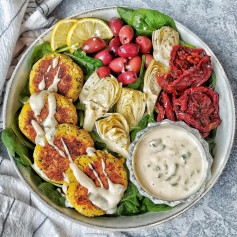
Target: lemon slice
x,y
59,33
85,29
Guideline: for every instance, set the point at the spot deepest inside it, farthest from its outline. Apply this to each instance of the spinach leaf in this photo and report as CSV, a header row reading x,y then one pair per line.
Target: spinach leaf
x,y
88,64
50,192
24,93
143,124
149,206
15,147
138,84
134,203
181,42
35,178
145,21
211,140
17,131
211,82
39,52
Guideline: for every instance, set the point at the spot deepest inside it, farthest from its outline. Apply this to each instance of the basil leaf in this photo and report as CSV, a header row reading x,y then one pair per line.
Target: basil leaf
x,y
39,52
14,146
50,192
181,42
145,21
24,93
88,64
124,13
17,131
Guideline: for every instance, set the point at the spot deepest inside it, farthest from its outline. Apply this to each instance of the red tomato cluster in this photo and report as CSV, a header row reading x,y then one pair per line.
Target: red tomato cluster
x,y
124,53
188,100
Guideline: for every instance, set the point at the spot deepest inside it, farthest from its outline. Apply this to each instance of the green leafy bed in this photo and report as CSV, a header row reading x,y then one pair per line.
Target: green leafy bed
x,y
144,22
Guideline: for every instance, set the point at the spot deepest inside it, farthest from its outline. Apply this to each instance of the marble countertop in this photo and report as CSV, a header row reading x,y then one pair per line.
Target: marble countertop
x,y
215,22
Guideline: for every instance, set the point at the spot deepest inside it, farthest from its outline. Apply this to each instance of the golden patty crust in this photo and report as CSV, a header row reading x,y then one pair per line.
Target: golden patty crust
x,y
51,65
48,158
77,194
65,113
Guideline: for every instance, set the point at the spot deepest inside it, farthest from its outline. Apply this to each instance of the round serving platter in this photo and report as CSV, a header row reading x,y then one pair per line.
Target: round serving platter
x,y
224,138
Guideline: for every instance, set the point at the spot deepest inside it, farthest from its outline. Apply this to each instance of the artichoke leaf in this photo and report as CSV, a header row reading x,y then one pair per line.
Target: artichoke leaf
x,y
131,105
114,131
101,97
163,41
88,87
151,87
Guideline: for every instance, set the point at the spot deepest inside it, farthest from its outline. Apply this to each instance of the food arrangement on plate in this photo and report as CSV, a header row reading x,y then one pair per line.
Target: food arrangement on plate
x,y
114,116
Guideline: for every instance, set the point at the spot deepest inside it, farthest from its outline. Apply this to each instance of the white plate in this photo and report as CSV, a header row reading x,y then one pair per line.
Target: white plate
x,y
224,138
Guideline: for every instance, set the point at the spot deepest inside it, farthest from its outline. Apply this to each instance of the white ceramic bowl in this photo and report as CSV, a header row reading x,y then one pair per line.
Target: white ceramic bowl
x,y
224,138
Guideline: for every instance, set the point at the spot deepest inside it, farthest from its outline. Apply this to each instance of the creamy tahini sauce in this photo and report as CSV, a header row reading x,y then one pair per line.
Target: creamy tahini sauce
x,y
105,199
90,151
37,102
41,85
54,86
170,163
55,62
50,123
39,139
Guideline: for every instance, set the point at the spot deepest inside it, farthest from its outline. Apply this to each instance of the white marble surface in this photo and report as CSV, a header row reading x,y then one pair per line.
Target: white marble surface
x,y
216,23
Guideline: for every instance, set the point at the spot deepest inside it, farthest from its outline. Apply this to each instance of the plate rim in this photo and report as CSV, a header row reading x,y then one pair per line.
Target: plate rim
x,y
43,202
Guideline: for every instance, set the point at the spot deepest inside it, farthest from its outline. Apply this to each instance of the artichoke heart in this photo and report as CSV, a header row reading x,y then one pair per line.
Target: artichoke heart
x,y
131,105
151,87
163,41
114,131
100,97
88,87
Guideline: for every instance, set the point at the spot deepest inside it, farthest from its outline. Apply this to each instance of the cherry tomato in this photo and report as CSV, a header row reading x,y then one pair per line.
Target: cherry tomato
x,y
149,57
93,45
115,25
127,77
126,34
118,64
144,43
104,56
134,64
103,71
114,45
128,50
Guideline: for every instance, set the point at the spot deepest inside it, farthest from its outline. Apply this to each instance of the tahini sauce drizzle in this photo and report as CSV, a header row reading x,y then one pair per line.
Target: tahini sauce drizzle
x,y
37,102
170,163
39,139
50,123
54,86
105,199
41,85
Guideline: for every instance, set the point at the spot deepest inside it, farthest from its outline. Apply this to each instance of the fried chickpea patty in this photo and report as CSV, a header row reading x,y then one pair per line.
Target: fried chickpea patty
x,y
65,113
48,158
69,73
77,194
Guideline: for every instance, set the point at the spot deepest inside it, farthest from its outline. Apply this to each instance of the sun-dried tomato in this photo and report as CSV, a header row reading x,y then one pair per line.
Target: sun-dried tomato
x,y
198,107
189,68
165,107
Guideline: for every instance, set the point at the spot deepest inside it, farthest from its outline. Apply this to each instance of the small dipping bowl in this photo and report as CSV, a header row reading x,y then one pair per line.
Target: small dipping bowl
x,y
169,173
